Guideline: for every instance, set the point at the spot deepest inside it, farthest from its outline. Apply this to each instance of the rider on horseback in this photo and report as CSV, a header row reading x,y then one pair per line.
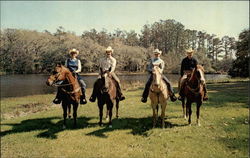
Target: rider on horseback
x,y
108,63
74,65
187,65
157,61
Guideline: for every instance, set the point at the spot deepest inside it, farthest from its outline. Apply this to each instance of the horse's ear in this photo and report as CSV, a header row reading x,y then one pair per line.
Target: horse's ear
x,y
202,65
101,70
109,69
58,64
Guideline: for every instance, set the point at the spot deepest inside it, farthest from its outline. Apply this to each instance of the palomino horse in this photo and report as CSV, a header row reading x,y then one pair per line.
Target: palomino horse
x,y
193,92
106,94
70,90
158,95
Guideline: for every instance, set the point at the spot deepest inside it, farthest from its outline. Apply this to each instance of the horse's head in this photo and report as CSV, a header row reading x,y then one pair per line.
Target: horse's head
x,y
157,76
105,77
198,74
59,74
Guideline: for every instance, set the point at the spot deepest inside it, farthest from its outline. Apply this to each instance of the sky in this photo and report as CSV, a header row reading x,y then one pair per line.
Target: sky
x,y
215,17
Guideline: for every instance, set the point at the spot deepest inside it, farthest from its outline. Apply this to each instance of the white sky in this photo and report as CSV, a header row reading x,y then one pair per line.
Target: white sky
x,y
215,17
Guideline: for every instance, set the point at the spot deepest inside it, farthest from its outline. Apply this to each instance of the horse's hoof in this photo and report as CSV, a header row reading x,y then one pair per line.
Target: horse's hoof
x,y
185,118
100,124
107,119
189,125
69,116
110,126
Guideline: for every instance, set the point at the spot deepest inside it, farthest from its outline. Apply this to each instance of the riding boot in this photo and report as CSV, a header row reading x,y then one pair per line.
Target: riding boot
x,y
58,98
119,93
205,98
181,94
146,89
94,92
83,97
171,93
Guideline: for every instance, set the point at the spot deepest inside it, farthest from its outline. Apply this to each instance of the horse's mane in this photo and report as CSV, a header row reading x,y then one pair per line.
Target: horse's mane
x,y
200,67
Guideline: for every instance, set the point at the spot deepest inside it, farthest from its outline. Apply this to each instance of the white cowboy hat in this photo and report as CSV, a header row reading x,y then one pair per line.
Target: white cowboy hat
x,y
109,49
190,50
74,51
157,51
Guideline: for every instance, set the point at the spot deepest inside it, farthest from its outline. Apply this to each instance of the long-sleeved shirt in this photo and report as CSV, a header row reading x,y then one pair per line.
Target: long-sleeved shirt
x,y
188,64
73,65
108,63
155,61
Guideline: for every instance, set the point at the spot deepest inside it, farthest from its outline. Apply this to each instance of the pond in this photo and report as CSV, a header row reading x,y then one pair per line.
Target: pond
x,y
23,85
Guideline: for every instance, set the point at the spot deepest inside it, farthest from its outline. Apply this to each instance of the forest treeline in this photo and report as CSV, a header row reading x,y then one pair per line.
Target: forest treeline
x,y
26,51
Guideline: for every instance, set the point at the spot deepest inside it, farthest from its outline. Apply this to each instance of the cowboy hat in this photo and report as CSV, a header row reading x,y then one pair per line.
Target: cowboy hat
x,y
109,49
190,50
157,51
74,51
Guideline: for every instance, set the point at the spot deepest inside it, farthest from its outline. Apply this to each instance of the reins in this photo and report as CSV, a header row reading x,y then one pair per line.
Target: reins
x,y
69,92
193,90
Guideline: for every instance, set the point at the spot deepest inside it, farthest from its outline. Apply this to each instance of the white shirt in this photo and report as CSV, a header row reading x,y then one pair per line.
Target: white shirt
x,y
108,62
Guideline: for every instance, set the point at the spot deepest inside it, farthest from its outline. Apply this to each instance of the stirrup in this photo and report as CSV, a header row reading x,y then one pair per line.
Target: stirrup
x,y
57,101
122,98
92,99
180,98
173,98
83,101
144,100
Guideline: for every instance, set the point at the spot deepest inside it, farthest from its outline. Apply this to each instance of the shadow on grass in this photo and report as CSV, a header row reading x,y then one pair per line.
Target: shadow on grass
x,y
51,129
139,126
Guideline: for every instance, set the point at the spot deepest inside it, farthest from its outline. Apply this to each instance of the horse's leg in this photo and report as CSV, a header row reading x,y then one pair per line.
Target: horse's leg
x,y
163,108
100,105
64,106
75,107
157,109
184,108
198,105
69,110
110,107
189,111
107,113
117,108
154,108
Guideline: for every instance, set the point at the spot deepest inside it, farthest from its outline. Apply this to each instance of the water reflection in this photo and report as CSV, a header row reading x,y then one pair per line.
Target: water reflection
x,y
22,85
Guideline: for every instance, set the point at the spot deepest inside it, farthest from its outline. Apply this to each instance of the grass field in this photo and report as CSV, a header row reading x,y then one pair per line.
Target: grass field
x,y
32,127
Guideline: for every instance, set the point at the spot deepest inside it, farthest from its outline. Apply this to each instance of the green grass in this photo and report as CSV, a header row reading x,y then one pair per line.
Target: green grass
x,y
32,127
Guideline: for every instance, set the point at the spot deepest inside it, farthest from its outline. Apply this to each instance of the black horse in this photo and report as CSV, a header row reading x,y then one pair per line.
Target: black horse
x,y
106,93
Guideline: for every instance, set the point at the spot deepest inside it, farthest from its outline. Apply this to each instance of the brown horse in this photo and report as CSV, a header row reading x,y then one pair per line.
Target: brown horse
x,y
158,95
194,93
106,94
70,89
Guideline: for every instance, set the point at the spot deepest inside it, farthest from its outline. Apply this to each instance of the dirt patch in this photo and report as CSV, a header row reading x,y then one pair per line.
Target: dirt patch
x,y
25,109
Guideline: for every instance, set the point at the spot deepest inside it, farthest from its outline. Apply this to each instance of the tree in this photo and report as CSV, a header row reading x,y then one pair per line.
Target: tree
x,y
241,64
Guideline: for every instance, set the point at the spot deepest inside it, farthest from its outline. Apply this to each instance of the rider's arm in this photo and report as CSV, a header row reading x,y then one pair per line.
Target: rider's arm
x,y
149,66
182,67
79,66
66,63
113,65
162,65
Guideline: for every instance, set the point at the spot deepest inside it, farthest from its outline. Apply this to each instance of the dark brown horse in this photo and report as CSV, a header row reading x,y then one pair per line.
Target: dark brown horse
x,y
70,90
106,94
194,93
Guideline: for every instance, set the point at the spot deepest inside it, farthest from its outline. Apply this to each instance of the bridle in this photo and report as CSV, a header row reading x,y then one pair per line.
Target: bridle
x,y
64,85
